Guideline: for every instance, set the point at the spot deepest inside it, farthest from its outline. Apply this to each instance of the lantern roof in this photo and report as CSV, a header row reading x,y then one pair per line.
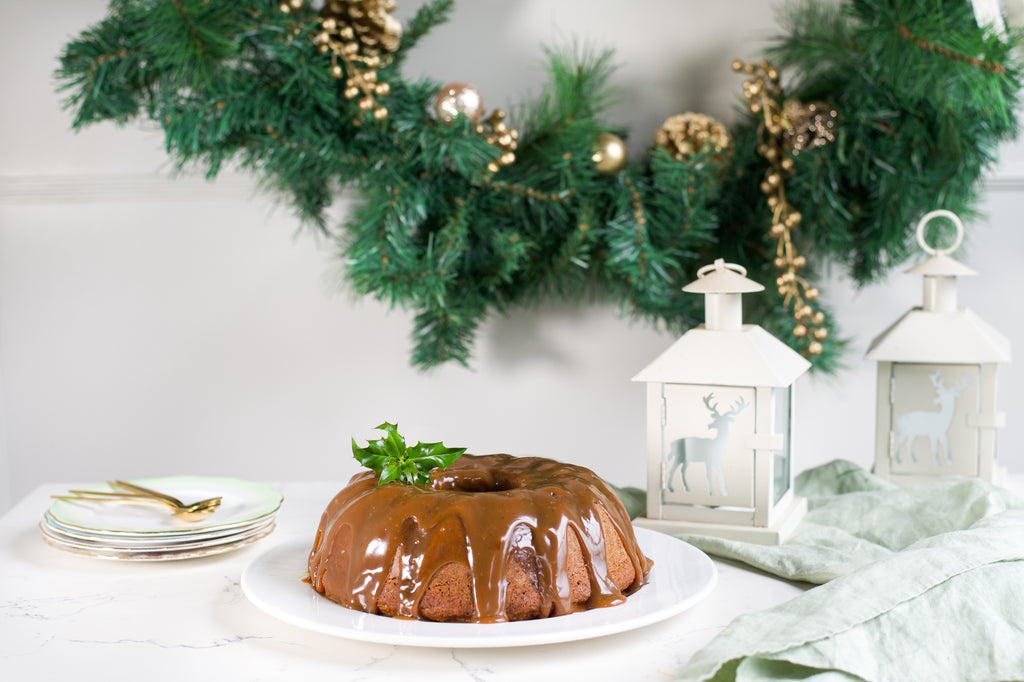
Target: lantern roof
x,y
938,331
944,337
723,351
941,265
722,278
749,356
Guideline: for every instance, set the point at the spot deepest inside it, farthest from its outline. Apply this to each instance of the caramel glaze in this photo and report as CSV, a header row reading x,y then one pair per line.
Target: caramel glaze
x,y
483,512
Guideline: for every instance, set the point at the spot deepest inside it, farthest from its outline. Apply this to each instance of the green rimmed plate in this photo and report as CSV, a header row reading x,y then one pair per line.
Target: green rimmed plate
x,y
172,552
243,503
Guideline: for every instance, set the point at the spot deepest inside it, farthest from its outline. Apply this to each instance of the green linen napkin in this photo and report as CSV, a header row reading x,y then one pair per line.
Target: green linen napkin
x,y
921,583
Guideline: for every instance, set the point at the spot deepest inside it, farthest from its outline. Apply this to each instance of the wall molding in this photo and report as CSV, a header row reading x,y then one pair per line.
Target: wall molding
x,y
1005,182
27,190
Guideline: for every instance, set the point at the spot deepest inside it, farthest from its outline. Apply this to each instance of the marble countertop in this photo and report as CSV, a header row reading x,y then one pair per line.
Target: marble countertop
x,y
64,616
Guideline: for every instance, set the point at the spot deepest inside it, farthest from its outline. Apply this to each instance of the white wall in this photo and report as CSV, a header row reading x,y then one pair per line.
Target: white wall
x,y
150,326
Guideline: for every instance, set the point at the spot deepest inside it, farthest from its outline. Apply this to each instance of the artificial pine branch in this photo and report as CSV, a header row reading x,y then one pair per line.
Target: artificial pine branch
x,y
921,118
924,98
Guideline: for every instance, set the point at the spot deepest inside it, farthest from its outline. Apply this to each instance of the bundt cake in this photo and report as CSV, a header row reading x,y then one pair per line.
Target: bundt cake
x,y
488,539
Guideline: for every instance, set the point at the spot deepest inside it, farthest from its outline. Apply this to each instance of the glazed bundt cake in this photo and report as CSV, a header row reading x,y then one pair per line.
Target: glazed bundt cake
x,y
488,539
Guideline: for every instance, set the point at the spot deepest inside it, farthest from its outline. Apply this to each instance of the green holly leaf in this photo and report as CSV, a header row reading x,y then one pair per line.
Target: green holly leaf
x,y
436,454
372,456
392,471
390,457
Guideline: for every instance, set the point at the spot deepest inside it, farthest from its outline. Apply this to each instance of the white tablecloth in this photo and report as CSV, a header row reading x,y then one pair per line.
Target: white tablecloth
x,y
68,617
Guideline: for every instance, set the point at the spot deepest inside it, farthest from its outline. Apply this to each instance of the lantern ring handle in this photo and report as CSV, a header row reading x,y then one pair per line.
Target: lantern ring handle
x,y
720,264
940,213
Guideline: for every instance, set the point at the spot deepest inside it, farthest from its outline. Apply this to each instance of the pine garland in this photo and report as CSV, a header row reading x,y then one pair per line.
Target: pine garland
x,y
924,97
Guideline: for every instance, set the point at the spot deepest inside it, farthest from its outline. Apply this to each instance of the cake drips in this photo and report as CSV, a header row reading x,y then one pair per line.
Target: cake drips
x,y
482,512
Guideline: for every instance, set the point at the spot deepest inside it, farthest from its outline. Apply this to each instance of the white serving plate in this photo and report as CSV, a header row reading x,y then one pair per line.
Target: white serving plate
x,y
682,576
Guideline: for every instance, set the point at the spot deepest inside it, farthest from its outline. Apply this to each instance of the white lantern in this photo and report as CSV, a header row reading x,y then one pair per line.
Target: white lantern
x,y
937,415
719,423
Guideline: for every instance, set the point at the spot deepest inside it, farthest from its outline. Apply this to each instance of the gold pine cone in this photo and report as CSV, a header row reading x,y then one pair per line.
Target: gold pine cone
x,y
683,135
372,25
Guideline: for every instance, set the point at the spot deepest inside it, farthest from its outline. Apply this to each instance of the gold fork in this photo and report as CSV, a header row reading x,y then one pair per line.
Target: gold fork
x,y
140,495
202,505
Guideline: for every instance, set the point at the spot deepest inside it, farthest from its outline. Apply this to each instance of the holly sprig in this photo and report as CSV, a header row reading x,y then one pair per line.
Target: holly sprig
x,y
390,457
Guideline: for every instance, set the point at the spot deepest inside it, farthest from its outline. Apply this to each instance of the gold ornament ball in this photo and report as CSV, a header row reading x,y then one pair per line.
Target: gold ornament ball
x,y
799,331
821,333
458,98
609,154
815,348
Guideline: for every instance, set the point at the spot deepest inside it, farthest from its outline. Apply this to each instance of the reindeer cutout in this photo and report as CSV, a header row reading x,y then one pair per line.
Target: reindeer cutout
x,y
708,450
933,424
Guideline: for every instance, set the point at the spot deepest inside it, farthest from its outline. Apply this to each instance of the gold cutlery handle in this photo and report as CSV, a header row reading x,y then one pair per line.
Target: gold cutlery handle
x,y
138,489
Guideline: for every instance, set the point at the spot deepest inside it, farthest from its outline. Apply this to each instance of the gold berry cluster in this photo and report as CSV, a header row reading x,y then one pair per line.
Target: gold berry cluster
x,y
499,135
763,94
463,99
808,126
360,36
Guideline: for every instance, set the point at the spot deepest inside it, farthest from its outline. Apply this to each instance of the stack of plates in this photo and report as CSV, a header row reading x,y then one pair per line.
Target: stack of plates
x,y
112,530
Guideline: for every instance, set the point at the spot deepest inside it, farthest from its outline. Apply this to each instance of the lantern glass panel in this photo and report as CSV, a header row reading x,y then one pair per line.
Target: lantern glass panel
x,y
783,424
930,406
704,438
